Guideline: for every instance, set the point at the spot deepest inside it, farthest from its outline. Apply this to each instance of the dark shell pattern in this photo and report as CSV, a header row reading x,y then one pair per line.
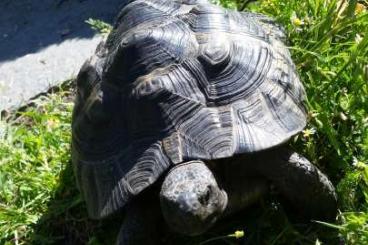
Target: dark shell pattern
x,y
177,81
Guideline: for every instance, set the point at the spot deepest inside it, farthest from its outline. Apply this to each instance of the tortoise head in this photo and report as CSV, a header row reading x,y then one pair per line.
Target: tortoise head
x,y
191,200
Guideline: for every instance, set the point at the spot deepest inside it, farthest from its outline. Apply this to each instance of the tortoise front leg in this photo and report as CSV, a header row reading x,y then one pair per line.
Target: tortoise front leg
x,y
142,222
304,186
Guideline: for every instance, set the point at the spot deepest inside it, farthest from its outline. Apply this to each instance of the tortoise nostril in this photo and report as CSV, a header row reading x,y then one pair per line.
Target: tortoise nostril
x,y
204,199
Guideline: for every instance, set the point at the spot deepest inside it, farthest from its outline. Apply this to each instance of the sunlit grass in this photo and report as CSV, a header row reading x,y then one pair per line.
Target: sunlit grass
x,y
34,149
329,44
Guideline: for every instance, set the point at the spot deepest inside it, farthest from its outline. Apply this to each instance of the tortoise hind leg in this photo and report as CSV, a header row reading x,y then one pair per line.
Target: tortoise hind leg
x,y
141,223
304,186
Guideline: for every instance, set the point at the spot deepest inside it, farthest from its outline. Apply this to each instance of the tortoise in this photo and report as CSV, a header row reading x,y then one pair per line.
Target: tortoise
x,y
182,117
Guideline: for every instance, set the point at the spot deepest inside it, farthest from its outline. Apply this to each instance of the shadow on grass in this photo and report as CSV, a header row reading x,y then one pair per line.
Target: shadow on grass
x,y
29,26
66,222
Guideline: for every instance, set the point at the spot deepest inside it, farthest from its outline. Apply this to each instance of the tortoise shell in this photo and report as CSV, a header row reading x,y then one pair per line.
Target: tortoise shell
x,y
177,81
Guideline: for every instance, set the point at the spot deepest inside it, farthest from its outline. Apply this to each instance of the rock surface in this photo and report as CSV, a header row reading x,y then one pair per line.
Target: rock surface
x,y
45,42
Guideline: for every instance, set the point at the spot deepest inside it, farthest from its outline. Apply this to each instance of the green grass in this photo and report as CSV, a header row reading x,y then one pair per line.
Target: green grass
x,y
329,44
99,26
39,202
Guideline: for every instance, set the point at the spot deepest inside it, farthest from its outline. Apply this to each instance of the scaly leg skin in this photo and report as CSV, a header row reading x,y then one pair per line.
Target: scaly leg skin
x,y
304,186
141,223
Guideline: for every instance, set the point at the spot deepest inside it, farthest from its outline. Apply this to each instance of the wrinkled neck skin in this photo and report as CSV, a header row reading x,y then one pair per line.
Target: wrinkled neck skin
x,y
191,199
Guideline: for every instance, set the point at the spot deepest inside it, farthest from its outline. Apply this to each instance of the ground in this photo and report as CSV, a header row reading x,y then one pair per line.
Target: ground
x,y
45,42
